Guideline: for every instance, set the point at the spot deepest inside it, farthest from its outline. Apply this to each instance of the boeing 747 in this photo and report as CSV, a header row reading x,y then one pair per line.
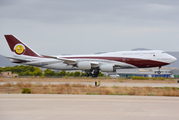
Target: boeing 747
x,y
91,63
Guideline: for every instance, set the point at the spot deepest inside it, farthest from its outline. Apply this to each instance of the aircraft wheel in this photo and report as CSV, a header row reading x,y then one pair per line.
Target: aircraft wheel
x,y
87,75
95,74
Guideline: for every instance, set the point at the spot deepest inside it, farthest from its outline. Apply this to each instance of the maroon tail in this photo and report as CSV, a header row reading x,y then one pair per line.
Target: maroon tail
x,y
18,47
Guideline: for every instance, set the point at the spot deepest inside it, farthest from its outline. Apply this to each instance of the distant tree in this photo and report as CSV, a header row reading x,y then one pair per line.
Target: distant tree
x,y
21,73
7,68
100,74
67,74
62,73
23,70
49,72
37,73
32,68
1,69
83,74
71,74
76,74
27,73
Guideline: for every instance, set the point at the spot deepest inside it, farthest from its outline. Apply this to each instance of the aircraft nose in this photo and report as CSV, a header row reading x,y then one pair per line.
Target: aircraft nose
x,y
174,59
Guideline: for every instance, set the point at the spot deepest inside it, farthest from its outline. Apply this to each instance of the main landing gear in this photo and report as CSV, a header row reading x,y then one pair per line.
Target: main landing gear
x,y
93,73
88,73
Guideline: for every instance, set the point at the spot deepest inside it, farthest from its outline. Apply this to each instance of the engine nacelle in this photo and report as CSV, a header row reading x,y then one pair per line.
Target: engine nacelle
x,y
107,68
84,65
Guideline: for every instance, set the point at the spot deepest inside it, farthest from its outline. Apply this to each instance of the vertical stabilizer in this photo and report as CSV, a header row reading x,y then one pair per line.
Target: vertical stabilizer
x,y
19,47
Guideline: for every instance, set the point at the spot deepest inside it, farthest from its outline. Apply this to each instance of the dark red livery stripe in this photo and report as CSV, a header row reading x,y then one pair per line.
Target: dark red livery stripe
x,y
140,63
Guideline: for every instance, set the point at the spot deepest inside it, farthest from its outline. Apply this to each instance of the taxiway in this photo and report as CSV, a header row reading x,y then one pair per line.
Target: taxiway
x,y
76,107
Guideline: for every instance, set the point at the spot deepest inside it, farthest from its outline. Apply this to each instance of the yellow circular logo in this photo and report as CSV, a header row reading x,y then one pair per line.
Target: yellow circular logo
x,y
19,49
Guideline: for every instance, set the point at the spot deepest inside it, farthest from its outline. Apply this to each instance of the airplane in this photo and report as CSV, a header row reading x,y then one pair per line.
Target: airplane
x,y
91,63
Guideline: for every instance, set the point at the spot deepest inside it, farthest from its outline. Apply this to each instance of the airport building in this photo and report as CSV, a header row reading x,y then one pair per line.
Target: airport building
x,y
8,74
150,72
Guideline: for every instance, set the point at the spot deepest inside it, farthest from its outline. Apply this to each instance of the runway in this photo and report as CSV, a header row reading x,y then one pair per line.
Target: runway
x,y
108,84
88,107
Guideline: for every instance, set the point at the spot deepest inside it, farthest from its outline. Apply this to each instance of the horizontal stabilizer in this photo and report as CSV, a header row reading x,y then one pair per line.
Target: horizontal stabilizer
x,y
18,59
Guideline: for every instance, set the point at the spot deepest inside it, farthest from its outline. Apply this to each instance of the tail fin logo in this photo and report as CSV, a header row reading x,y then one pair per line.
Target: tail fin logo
x,y
19,49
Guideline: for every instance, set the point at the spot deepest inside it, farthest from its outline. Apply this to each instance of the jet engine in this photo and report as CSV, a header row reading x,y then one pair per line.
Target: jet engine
x,y
107,68
84,65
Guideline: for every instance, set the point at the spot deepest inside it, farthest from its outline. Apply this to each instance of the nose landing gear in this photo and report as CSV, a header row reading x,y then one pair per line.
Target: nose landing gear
x,y
159,72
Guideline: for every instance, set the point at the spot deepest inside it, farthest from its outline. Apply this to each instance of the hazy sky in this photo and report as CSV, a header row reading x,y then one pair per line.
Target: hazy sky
x,y
88,26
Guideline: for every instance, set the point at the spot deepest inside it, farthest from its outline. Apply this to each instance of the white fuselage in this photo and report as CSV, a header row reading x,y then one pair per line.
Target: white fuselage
x,y
121,59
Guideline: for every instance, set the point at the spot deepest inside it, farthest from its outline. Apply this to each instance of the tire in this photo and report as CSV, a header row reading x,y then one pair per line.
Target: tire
x,y
87,75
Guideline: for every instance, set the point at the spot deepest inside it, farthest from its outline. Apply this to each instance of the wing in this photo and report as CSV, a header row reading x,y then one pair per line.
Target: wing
x,y
71,61
66,61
